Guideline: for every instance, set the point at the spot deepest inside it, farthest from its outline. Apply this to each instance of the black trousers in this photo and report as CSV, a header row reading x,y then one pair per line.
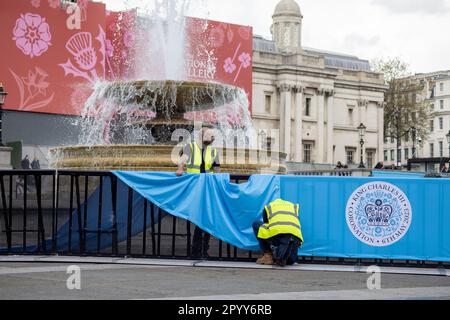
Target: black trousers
x,y
200,243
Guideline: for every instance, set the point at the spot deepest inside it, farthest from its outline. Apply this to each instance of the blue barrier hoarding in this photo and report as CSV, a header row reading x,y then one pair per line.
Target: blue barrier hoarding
x,y
379,218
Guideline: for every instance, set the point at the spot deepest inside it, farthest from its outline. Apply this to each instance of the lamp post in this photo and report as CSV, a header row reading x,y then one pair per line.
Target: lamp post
x,y
3,95
362,132
397,124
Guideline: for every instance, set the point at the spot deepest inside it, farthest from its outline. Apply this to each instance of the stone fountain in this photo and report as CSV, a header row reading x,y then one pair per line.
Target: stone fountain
x,y
142,125
133,125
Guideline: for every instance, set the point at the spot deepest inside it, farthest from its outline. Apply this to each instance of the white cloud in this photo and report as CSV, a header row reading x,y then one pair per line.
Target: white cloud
x,y
415,6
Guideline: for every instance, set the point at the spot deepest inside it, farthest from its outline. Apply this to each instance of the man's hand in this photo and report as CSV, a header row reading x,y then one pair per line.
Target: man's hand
x,y
181,165
179,172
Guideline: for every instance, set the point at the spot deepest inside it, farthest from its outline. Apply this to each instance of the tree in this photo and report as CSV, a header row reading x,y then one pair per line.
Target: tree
x,y
407,110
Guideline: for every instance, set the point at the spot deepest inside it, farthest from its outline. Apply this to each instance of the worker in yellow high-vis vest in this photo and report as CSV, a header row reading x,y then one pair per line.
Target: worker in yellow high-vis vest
x,y
200,157
280,235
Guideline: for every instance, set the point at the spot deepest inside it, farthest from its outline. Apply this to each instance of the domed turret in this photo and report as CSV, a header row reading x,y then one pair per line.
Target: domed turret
x,y
287,7
287,26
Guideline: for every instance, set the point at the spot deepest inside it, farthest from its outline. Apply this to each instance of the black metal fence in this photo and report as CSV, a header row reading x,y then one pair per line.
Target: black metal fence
x,y
36,205
335,173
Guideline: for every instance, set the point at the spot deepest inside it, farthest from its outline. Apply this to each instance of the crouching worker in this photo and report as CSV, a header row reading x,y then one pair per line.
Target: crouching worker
x,y
280,235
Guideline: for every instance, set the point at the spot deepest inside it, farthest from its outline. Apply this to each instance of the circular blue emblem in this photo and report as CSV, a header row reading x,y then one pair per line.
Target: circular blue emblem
x,y
379,214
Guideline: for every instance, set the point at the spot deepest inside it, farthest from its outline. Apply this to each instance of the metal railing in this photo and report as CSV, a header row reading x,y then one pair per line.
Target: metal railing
x,y
38,206
334,173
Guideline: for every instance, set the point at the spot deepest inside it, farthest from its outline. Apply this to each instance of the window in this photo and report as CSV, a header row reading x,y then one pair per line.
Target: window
x,y
386,155
392,155
370,154
441,102
406,153
350,116
441,123
268,103
441,149
350,155
392,138
431,125
407,137
308,107
431,150
441,86
307,148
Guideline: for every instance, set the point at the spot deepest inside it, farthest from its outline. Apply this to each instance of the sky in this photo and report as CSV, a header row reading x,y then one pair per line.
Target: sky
x,y
417,31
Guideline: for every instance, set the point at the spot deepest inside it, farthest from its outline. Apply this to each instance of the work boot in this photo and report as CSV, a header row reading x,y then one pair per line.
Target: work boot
x,y
266,259
280,263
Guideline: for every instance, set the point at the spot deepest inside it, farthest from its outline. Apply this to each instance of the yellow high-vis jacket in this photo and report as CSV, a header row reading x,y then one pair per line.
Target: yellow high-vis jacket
x,y
283,217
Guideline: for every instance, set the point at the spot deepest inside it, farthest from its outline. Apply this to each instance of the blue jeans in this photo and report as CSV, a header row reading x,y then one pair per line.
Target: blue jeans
x,y
265,244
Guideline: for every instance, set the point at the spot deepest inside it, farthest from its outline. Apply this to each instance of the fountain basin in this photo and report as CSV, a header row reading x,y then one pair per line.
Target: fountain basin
x,y
178,96
158,158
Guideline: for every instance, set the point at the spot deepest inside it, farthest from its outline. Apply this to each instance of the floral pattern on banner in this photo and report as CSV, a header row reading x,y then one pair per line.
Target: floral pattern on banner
x,y
33,90
32,35
82,50
244,58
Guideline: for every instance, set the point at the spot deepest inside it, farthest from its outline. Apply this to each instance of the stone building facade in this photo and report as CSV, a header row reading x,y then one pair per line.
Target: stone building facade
x,y
436,93
315,99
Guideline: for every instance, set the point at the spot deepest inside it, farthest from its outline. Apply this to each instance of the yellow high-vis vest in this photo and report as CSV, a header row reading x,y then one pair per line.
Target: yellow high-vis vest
x,y
195,159
283,217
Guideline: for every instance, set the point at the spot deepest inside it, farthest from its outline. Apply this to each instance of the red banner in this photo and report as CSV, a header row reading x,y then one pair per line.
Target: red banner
x,y
51,55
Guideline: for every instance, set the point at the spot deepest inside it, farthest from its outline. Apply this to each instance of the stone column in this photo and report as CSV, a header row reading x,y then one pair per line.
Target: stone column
x,y
380,129
320,125
330,127
298,123
285,119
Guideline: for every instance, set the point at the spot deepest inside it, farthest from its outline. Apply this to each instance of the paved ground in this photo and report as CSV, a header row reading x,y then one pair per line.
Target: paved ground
x,y
39,280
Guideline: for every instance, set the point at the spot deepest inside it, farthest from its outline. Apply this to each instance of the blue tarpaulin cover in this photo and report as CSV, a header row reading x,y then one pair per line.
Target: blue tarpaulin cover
x,y
225,210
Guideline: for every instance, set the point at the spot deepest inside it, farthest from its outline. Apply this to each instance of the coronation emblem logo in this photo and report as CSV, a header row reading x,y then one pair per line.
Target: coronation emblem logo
x,y
379,214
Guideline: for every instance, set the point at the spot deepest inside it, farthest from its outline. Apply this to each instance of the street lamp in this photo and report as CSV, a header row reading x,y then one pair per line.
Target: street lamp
x,y
362,132
414,137
3,95
396,115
